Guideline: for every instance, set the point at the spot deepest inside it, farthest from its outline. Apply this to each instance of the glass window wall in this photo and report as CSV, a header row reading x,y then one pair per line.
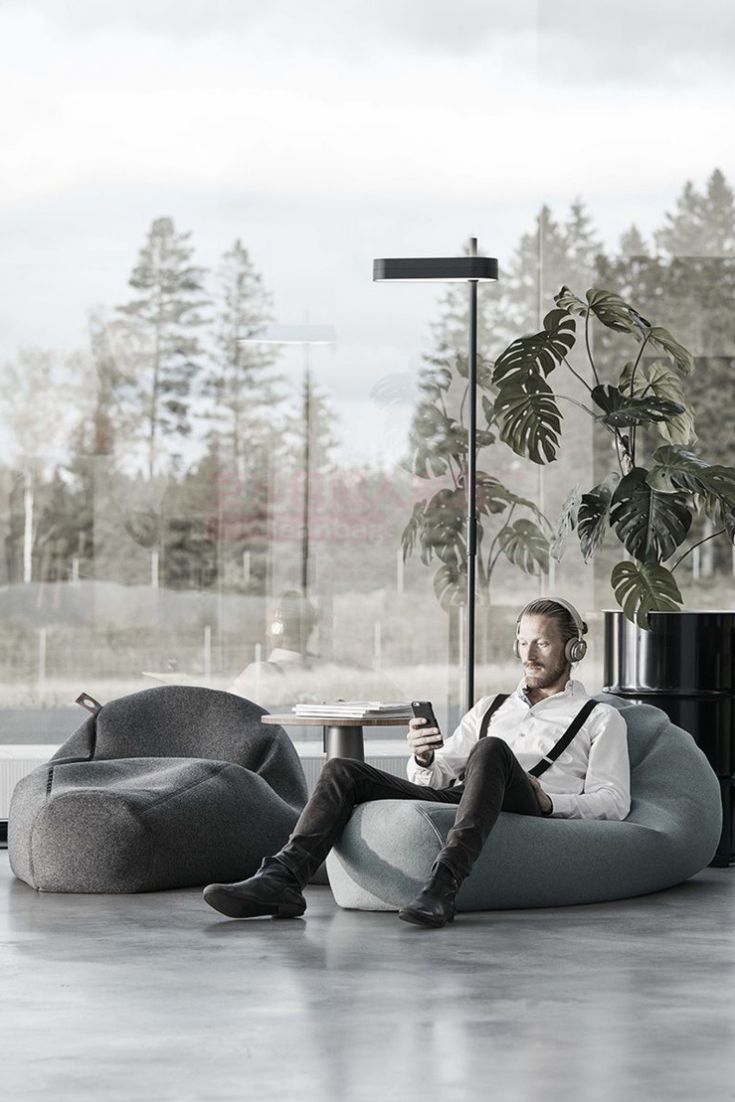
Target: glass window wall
x,y
186,499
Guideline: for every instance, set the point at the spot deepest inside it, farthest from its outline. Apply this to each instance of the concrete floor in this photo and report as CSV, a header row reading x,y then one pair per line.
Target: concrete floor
x,y
146,998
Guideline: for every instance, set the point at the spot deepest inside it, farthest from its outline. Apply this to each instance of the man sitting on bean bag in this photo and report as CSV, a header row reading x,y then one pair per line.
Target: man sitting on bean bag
x,y
491,763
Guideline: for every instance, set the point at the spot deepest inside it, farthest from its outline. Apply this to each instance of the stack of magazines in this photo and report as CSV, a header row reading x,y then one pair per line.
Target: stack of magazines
x,y
356,709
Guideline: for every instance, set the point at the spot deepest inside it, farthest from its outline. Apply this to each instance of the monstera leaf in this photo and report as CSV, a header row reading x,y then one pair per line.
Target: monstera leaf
x,y
641,588
649,524
658,380
436,382
484,438
566,523
525,407
435,437
675,468
484,371
594,510
411,533
524,544
450,585
443,527
569,302
492,496
661,338
609,308
721,513
529,418
539,353
615,313
621,410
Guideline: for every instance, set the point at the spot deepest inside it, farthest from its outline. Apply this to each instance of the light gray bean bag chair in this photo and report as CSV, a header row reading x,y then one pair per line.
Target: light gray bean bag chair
x,y
166,788
672,832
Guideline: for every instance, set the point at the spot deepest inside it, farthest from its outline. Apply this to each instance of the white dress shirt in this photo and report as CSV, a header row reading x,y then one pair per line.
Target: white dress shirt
x,y
589,780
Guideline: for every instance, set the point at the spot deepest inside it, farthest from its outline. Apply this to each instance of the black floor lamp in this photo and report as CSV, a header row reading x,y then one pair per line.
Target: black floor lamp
x,y
471,269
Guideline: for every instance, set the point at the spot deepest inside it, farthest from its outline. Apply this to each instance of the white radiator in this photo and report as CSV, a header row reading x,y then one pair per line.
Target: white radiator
x,y
17,761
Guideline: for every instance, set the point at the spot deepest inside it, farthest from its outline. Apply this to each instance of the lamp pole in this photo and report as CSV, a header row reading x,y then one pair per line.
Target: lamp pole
x,y
471,490
307,474
307,336
472,269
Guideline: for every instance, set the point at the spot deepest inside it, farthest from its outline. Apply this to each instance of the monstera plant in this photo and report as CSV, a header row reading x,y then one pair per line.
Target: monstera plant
x,y
660,488
507,525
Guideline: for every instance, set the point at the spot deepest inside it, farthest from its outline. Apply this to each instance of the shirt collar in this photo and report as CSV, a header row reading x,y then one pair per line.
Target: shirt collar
x,y
572,688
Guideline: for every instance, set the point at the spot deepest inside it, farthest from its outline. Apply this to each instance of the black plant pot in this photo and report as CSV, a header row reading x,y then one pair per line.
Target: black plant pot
x,y
683,665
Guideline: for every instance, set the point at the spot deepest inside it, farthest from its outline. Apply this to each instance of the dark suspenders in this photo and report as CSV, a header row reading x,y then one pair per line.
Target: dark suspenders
x,y
559,747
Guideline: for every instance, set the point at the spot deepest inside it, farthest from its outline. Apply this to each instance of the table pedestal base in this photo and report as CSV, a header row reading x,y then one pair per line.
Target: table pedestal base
x,y
344,742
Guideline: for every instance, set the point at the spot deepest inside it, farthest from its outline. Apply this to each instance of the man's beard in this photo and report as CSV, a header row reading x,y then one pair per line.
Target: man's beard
x,y
540,675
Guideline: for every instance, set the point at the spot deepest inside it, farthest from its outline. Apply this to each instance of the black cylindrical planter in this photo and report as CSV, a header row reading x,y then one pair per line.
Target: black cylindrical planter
x,y
683,665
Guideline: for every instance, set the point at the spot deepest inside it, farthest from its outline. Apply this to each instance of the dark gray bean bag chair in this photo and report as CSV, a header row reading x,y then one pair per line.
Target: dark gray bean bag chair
x,y
166,788
672,832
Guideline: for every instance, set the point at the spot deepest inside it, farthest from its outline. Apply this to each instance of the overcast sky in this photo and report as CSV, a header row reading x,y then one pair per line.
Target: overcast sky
x,y
326,133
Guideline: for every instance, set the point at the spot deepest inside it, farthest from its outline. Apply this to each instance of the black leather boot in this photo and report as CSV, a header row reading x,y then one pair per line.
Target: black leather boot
x,y
434,905
273,890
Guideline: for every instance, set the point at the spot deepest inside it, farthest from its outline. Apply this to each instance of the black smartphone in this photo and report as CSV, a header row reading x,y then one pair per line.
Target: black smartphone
x,y
422,709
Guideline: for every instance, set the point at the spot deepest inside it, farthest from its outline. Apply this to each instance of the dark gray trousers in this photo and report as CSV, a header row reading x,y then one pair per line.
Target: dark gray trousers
x,y
494,781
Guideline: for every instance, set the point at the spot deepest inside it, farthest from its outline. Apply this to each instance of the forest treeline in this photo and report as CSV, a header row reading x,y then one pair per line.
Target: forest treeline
x,y
158,445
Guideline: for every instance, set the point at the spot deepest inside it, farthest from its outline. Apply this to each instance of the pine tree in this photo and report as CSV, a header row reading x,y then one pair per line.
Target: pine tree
x,y
551,254
64,534
241,384
582,247
690,287
163,324
38,431
106,425
696,283
632,242
703,224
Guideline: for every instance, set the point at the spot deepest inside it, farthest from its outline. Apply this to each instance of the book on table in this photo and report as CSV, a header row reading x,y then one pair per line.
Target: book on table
x,y
355,709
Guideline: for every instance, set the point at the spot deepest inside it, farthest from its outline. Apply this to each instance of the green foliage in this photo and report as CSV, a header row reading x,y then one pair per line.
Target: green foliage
x,y
641,588
661,338
538,354
622,411
525,408
525,545
649,524
658,380
674,469
492,496
566,523
437,440
592,518
450,585
651,503
530,419
612,311
438,525
436,529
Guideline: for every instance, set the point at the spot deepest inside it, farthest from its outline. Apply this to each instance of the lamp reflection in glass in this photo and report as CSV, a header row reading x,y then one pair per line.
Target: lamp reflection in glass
x,y
307,336
471,269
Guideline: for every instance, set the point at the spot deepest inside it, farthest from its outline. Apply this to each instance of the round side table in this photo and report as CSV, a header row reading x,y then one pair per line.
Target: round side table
x,y
343,737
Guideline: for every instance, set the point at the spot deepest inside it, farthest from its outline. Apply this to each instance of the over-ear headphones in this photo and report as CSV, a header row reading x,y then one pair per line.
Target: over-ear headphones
x,y
575,649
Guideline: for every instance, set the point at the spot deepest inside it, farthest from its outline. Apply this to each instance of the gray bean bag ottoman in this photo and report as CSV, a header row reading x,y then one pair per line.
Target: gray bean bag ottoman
x,y
167,788
672,832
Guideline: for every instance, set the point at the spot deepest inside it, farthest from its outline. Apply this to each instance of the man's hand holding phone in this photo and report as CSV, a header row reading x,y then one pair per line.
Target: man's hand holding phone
x,y
424,736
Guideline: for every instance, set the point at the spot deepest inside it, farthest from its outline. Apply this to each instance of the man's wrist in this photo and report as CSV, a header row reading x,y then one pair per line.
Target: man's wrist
x,y
424,764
